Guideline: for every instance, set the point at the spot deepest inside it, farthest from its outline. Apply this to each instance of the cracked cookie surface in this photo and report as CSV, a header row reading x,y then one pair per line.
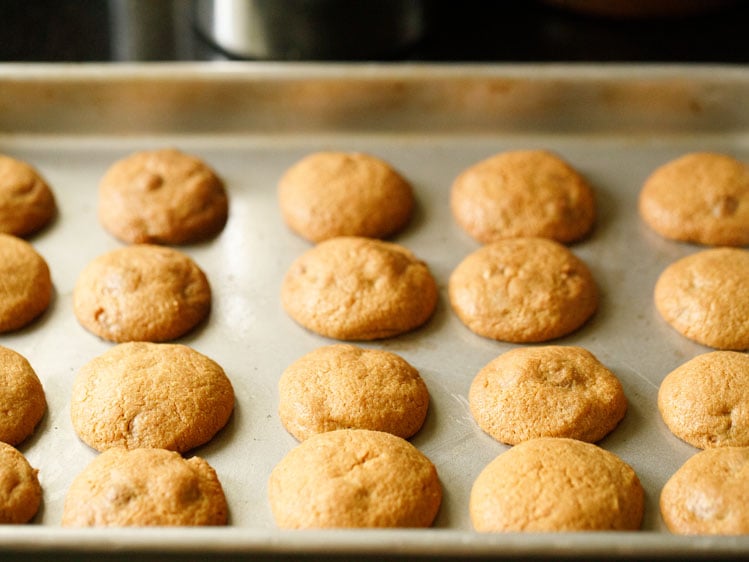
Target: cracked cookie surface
x,y
354,288
354,478
523,290
145,487
157,395
141,292
162,197
556,484
701,197
549,391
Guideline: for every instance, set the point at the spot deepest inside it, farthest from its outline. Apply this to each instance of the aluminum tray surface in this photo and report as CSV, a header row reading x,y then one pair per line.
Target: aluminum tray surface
x,y
252,121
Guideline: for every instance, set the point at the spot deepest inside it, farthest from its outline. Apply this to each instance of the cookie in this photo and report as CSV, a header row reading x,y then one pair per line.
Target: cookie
x,y
145,487
26,200
26,288
709,494
354,478
353,288
158,395
162,197
20,491
21,396
342,386
523,290
556,484
551,391
702,197
705,401
705,297
329,194
523,194
141,293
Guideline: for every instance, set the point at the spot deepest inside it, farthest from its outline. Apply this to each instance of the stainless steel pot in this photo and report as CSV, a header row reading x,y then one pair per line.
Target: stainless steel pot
x,y
310,29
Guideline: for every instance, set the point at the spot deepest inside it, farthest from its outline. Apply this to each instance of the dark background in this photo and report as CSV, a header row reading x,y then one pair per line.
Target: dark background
x,y
459,30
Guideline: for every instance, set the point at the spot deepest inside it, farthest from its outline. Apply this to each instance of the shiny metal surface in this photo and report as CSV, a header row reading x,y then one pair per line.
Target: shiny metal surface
x,y
310,29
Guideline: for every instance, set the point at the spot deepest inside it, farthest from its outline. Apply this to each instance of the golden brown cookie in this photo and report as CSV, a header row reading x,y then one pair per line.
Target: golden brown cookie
x,y
26,287
162,197
353,288
523,193
709,494
145,487
141,293
354,478
705,401
342,386
20,491
329,194
551,391
701,197
523,290
158,395
556,484
26,200
705,297
21,396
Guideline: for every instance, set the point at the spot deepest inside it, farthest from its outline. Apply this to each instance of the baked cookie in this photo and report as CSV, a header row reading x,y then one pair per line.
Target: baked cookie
x,y
347,387
141,293
20,491
21,395
26,288
523,290
162,197
523,193
353,288
701,197
145,487
26,200
705,401
354,478
158,395
552,391
705,297
556,484
329,194
709,494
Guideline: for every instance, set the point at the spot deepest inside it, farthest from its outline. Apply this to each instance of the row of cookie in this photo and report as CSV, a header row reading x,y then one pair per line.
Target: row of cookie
x,y
159,196
700,197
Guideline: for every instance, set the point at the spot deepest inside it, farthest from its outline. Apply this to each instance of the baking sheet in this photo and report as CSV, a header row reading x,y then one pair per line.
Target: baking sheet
x,y
250,122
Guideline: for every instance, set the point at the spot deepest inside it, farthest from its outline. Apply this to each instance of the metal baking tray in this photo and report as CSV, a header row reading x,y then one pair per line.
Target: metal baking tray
x,y
251,121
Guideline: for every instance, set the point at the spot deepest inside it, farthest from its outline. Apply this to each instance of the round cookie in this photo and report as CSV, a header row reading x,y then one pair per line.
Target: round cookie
x,y
20,491
701,197
705,401
709,494
21,395
354,478
162,197
347,387
353,288
329,194
26,200
705,297
158,395
26,288
551,391
141,293
523,193
145,487
556,484
523,290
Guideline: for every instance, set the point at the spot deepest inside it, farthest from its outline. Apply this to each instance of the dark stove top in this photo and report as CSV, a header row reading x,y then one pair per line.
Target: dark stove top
x,y
469,30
